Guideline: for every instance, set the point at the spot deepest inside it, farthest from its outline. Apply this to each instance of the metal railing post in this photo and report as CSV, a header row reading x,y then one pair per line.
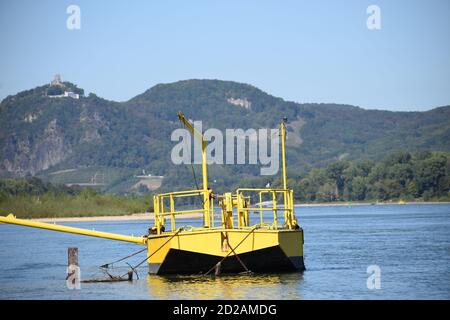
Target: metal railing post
x,y
172,210
260,208
274,205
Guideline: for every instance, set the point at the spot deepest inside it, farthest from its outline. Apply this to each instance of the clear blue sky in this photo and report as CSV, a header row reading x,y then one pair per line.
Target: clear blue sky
x,y
315,51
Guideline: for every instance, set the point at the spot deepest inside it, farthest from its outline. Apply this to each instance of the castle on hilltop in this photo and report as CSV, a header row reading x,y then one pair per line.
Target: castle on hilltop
x,y
57,81
56,89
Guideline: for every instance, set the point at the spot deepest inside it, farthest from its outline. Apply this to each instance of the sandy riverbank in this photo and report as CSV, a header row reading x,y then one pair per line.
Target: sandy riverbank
x,y
133,217
149,216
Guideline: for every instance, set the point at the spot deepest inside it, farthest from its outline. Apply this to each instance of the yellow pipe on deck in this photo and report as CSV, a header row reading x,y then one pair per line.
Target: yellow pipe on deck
x,y
11,219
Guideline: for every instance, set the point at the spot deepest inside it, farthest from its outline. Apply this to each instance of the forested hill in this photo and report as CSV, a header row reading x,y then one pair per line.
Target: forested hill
x,y
45,136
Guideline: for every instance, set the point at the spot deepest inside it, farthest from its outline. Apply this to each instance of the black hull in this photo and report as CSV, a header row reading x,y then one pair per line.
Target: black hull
x,y
269,260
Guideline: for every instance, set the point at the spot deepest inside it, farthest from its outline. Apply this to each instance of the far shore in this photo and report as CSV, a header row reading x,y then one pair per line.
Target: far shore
x,y
149,215
332,204
131,217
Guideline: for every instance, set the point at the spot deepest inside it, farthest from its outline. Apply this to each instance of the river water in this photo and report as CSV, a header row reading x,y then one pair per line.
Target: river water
x,y
408,244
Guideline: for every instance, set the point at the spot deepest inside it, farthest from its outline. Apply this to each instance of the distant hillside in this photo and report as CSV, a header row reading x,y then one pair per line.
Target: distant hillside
x,y
109,143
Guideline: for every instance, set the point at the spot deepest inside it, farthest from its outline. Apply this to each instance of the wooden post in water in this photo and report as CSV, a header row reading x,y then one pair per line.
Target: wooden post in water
x,y
72,256
73,276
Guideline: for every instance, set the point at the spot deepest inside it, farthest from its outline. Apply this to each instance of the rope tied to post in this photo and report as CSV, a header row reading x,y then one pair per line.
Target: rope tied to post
x,y
107,265
154,252
133,269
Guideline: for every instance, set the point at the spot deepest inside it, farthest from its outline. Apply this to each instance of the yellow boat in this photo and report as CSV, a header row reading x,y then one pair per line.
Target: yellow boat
x,y
226,242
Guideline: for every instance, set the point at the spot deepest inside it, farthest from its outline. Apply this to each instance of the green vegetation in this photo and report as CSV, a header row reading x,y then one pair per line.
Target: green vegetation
x,y
126,138
33,198
109,180
55,91
422,176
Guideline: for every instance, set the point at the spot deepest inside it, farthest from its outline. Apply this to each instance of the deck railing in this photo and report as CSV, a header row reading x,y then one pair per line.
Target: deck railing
x,y
287,205
163,210
237,204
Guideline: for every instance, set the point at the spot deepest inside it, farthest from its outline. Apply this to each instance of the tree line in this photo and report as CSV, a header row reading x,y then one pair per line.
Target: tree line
x,y
34,198
400,176
422,175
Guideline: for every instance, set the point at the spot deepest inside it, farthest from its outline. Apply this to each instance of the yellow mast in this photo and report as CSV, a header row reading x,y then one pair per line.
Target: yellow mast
x,y
283,153
287,215
206,200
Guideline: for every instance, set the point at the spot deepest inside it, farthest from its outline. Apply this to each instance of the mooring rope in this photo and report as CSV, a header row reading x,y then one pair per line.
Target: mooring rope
x,y
148,257
237,257
233,251
133,269
106,265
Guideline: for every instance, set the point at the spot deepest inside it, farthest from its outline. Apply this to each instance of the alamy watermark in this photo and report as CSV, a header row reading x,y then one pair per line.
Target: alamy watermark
x,y
73,21
374,19
73,279
374,279
235,147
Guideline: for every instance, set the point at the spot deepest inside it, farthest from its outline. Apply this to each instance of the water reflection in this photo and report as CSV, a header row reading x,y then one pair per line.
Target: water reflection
x,y
256,286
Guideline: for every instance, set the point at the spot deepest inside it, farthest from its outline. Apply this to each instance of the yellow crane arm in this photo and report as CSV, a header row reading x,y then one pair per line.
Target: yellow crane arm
x,y
11,219
206,199
191,128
